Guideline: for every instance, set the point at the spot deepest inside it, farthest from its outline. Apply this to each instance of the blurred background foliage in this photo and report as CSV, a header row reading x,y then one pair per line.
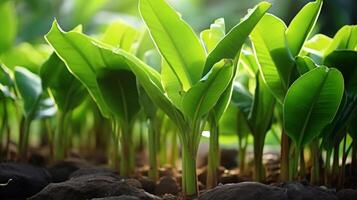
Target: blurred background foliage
x,y
30,19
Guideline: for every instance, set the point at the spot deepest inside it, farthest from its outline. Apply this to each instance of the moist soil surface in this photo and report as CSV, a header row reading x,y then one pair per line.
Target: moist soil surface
x,y
76,179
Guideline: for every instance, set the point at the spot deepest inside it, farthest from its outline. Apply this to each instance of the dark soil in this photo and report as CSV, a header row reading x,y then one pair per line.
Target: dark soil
x,y
76,179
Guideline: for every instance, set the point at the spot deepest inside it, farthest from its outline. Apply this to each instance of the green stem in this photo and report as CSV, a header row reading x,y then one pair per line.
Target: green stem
x,y
3,124
24,138
213,158
315,170
258,159
294,162
328,168
189,176
284,152
241,154
335,165
302,165
344,158
61,136
174,149
152,136
127,164
115,147
354,157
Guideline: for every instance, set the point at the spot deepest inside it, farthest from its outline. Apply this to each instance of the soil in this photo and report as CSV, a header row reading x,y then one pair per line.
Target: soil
x,y
76,179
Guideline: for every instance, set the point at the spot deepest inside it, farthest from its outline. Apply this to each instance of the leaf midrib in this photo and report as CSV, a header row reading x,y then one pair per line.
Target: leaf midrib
x,y
306,122
176,48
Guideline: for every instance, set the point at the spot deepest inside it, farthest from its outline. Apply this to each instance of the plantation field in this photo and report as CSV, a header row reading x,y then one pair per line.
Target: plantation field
x,y
166,100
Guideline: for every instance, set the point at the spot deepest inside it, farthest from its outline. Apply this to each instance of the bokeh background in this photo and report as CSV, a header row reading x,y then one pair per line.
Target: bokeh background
x,y
31,19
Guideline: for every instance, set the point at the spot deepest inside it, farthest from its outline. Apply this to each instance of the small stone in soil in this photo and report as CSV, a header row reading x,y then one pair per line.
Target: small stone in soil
x,y
148,184
347,194
298,191
63,169
245,191
123,197
167,185
21,180
91,186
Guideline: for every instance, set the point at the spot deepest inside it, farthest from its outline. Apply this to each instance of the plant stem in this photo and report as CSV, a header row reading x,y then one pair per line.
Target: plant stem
x,y
152,137
61,136
126,151
335,165
189,176
174,149
24,137
302,166
293,165
241,154
115,150
213,158
3,124
354,157
328,168
258,159
315,170
284,152
344,158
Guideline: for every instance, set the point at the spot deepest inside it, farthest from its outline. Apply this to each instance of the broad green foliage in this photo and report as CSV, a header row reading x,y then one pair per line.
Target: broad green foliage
x,y
98,68
65,89
304,64
236,36
176,41
311,103
120,35
203,95
276,46
212,36
275,62
26,55
260,117
8,24
30,89
6,83
302,25
195,85
317,45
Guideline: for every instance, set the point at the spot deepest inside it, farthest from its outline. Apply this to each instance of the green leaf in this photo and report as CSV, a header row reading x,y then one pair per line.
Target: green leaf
x,y
120,35
353,128
26,55
317,45
212,36
119,91
150,81
346,62
275,62
106,76
65,89
311,103
29,88
262,109
201,98
175,40
147,105
171,84
229,47
5,78
242,98
345,39
302,25
8,24
304,64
